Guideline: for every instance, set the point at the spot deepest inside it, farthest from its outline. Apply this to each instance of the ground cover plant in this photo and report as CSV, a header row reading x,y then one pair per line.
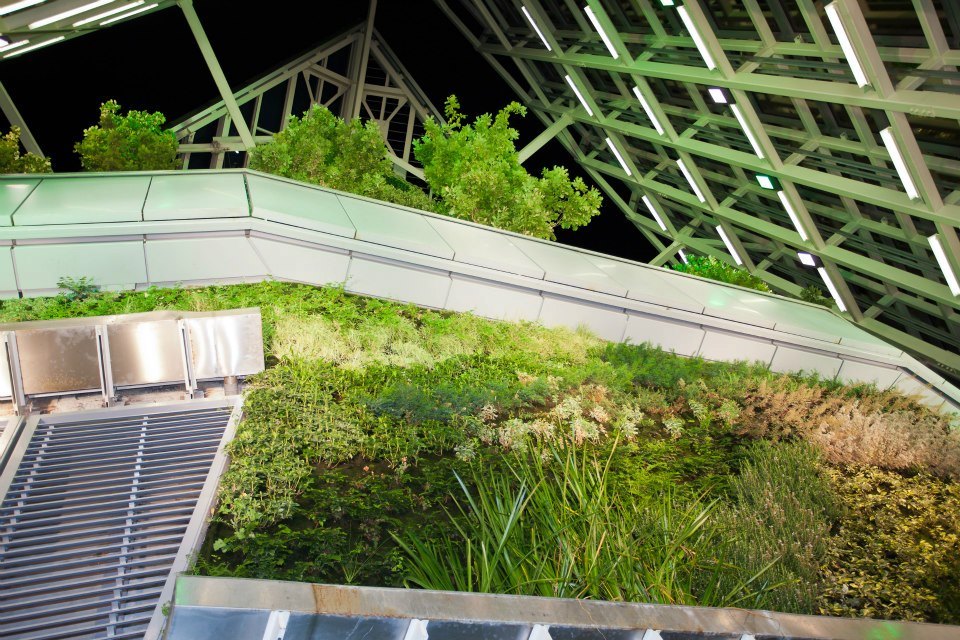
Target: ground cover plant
x,y
391,445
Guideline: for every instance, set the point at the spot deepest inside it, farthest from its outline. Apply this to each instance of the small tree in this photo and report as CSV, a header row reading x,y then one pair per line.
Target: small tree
x,y
476,172
711,267
12,162
136,141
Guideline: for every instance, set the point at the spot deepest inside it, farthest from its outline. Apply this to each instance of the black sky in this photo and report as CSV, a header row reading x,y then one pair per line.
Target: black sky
x,y
153,63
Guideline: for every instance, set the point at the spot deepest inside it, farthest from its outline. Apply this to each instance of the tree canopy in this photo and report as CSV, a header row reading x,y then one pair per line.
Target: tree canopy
x,y
136,141
11,160
475,171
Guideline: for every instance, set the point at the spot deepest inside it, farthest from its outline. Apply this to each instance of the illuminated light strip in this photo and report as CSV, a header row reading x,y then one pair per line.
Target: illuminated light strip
x,y
132,13
656,216
683,256
697,39
833,290
16,6
689,177
941,257
533,24
793,215
746,129
36,46
845,45
579,95
107,14
648,110
887,136
616,152
69,14
603,34
729,245
14,45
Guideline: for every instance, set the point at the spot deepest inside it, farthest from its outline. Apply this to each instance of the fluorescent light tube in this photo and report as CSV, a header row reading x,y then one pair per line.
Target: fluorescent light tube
x,y
32,47
793,214
941,257
616,152
729,245
807,258
766,182
14,45
4,42
653,212
682,255
132,13
16,6
887,136
648,110
693,185
107,14
845,45
697,39
833,290
579,95
69,14
746,129
533,24
603,34
718,95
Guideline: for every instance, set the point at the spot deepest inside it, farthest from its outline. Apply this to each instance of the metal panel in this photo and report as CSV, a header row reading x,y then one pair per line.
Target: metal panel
x,y
196,195
202,259
72,349
606,322
677,337
647,284
226,344
12,194
110,264
8,277
788,360
84,200
484,247
852,371
720,345
398,281
493,300
569,267
145,352
298,205
394,227
311,264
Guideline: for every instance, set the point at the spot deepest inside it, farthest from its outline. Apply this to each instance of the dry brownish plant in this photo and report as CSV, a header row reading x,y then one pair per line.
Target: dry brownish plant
x,y
783,408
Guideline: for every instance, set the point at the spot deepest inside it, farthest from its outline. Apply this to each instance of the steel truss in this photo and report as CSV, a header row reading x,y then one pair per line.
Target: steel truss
x,y
800,119
354,74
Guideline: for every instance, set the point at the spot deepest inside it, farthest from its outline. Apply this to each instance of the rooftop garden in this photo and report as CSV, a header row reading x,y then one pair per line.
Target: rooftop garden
x,y
391,445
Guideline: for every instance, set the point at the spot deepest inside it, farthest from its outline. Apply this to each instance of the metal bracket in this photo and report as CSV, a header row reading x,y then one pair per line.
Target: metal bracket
x,y
276,625
20,406
186,352
107,388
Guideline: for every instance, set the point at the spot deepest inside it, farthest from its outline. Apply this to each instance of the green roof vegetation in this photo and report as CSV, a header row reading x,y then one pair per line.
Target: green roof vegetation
x,y
391,445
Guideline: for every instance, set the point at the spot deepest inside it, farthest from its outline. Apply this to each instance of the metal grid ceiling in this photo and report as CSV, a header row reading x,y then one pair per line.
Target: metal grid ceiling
x,y
789,86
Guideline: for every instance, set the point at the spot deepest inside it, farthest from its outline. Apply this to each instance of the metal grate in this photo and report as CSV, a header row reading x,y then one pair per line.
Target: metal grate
x,y
94,517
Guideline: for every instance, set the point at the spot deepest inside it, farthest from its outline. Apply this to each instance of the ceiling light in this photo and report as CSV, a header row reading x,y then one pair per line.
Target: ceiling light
x,y
683,256
888,141
603,34
32,47
14,45
689,177
719,95
846,46
746,129
729,245
941,257
794,218
128,15
809,259
4,42
69,13
648,110
616,152
533,24
833,290
653,212
16,6
697,39
579,95
667,3
107,14
768,182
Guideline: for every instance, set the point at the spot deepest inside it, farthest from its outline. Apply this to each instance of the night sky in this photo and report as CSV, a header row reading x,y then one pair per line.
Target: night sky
x,y
153,63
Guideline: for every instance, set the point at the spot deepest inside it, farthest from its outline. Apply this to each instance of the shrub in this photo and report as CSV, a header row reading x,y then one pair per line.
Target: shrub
x,y
715,269
815,295
136,141
12,161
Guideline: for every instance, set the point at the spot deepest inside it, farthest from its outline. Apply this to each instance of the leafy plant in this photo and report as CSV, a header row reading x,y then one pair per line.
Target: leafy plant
x,y
815,295
12,161
136,141
77,288
475,171
715,269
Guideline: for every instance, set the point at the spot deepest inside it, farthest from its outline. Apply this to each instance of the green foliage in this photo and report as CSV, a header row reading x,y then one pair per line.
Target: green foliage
x,y
136,141
11,160
715,269
77,288
815,295
322,149
475,171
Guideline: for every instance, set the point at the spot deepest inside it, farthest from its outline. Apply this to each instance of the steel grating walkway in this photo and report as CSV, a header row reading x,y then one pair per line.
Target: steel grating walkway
x,y
96,515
